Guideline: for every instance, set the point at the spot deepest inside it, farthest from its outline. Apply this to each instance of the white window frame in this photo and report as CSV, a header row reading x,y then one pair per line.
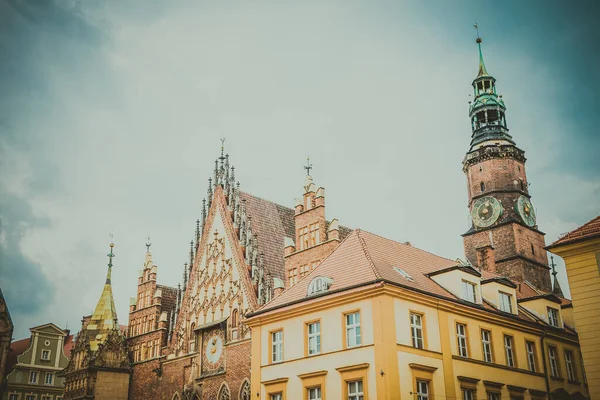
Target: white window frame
x,y
469,291
353,331
30,396
468,394
314,337
486,342
553,361
569,364
493,396
276,396
553,316
314,393
51,375
505,302
14,396
530,349
416,330
509,351
277,346
422,389
48,352
355,390
35,374
461,335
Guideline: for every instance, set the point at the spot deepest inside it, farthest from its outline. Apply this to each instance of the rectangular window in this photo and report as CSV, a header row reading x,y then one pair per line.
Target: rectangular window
x,y
505,302
303,238
461,335
422,390
486,342
530,347
416,329
314,393
33,377
508,349
13,397
493,396
49,379
30,397
353,335
314,338
293,276
276,396
45,355
468,394
355,390
277,346
553,316
469,291
553,361
314,234
569,364
46,397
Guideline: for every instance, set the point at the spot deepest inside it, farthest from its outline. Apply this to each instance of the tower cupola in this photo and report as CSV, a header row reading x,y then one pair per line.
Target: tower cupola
x,y
487,110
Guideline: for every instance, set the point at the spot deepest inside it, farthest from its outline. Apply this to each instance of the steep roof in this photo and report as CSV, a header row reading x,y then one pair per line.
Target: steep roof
x,y
272,223
586,231
364,257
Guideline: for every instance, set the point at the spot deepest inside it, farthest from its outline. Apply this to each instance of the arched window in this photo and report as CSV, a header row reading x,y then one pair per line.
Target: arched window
x,y
224,393
482,185
176,396
319,284
245,390
234,318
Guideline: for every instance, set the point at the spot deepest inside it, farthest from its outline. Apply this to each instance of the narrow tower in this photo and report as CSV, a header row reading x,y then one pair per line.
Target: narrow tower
x,y
504,235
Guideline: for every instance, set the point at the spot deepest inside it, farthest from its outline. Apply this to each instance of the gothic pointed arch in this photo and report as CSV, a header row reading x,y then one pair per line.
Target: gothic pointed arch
x,y
224,392
245,390
176,396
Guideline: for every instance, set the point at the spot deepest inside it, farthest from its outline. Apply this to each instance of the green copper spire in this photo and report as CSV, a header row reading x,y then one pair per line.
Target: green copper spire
x,y
482,70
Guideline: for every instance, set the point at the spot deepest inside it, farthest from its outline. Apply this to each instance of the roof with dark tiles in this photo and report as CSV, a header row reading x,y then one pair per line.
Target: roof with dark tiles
x,y
588,230
272,223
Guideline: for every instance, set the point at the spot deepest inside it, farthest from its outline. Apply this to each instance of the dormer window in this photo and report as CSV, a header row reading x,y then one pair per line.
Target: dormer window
x,y
553,316
319,284
404,274
469,291
505,303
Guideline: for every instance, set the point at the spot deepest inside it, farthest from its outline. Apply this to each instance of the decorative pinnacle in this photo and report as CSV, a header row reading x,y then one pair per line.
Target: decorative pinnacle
x,y
553,265
111,255
308,166
482,69
476,26
222,149
148,244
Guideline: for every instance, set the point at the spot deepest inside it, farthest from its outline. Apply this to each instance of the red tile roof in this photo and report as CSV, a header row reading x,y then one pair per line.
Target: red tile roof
x,y
586,231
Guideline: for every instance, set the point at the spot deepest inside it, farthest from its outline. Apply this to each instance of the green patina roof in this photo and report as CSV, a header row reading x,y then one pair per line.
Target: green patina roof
x,y
488,99
482,70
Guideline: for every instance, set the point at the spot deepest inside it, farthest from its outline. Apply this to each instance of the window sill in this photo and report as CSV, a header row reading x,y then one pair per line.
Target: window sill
x,y
573,382
556,378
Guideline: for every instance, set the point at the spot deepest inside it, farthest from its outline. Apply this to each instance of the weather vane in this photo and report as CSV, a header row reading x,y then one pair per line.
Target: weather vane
x,y
148,244
111,255
222,149
476,26
308,166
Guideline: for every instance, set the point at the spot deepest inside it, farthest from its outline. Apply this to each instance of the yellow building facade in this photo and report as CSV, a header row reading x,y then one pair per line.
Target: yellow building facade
x,y
379,319
581,251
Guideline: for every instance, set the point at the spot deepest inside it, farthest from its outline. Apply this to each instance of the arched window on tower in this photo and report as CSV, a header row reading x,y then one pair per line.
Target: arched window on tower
x,y
532,250
192,338
224,393
522,185
482,185
245,391
234,324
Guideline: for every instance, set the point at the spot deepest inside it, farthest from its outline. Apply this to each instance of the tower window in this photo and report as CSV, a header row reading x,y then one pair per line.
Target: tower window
x,y
532,250
522,185
480,168
482,185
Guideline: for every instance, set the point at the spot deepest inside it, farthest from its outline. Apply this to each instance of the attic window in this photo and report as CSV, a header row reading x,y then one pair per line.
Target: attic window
x,y
319,284
404,274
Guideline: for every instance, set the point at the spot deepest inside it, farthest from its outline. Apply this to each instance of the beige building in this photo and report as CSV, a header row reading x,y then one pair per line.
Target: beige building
x,y
34,363
380,319
581,251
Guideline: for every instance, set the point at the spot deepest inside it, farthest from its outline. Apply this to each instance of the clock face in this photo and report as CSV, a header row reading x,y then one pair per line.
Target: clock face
x,y
214,348
525,210
486,210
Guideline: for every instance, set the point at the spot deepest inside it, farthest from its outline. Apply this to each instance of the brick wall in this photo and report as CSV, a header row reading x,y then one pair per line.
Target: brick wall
x,y
496,174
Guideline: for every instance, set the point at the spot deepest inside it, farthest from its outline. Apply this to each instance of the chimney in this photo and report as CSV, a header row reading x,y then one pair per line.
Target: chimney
x,y
278,287
333,232
163,320
288,246
158,296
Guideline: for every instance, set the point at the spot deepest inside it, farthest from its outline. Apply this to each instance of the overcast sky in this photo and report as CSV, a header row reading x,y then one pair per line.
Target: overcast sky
x,y
111,114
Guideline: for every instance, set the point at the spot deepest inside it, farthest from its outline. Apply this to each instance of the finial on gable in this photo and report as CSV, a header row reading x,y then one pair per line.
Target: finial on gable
x,y
148,244
308,166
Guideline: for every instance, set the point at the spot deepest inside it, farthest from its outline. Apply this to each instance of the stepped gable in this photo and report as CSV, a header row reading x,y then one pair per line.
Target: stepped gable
x,y
588,230
272,223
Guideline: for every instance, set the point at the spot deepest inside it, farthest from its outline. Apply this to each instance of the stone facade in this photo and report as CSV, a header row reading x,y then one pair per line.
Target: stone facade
x,y
35,372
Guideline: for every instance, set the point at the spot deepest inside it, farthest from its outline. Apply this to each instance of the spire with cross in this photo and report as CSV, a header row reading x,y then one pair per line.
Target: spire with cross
x,y
308,166
148,244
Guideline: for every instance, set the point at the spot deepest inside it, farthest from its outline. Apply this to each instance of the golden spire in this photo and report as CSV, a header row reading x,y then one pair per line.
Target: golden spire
x,y
104,318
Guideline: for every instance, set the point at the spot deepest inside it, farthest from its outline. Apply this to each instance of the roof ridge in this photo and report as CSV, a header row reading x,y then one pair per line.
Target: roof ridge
x,y
404,244
367,254
263,199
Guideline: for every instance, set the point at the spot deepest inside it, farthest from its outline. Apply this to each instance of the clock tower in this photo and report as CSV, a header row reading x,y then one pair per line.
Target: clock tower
x,y
504,236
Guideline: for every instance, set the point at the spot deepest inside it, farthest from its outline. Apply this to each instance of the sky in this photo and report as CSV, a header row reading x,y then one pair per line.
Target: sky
x,y
111,114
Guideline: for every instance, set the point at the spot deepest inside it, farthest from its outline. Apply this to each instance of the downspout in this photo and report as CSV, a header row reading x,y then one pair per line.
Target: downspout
x,y
544,364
